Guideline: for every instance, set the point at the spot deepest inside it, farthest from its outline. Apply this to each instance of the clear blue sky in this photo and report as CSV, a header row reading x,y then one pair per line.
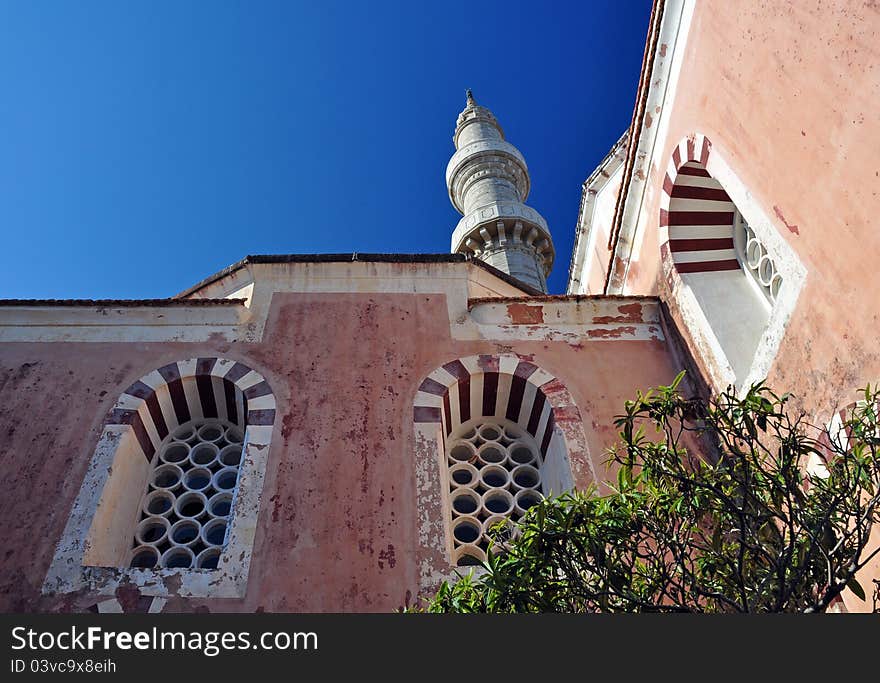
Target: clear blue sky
x,y
146,145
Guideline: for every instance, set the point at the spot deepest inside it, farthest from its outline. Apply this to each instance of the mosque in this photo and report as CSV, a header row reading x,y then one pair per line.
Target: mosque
x,y
336,432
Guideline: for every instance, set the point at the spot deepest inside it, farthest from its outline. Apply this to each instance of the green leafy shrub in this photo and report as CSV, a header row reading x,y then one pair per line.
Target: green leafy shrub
x,y
723,505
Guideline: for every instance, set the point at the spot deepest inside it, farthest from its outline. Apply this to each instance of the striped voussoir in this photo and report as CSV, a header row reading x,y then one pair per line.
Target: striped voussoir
x,y
833,440
193,389
504,386
838,429
697,212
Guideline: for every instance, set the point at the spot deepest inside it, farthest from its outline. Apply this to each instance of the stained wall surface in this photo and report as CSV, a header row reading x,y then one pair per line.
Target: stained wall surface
x,y
789,95
337,525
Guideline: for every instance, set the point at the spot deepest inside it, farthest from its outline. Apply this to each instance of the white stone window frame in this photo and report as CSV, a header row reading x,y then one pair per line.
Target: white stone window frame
x,y
566,463
788,266
67,572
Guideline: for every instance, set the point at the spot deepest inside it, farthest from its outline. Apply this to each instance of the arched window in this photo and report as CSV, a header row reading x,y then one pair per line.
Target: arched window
x,y
494,477
170,499
494,435
735,279
184,513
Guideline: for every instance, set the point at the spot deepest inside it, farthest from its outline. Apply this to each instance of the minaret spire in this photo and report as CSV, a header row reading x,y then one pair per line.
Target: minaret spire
x,y
488,182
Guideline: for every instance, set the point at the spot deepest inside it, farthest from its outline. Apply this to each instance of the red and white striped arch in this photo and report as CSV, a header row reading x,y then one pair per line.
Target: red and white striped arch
x,y
504,386
836,436
696,214
194,389
143,416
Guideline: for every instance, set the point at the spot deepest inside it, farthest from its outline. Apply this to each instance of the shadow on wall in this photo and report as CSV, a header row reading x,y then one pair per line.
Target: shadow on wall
x,y
707,251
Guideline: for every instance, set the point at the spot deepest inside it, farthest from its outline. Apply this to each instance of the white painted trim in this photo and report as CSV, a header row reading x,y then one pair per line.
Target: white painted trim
x,y
607,172
674,30
68,574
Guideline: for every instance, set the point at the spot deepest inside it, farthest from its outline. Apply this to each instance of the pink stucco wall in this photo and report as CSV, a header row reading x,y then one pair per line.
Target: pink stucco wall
x,y
789,94
337,524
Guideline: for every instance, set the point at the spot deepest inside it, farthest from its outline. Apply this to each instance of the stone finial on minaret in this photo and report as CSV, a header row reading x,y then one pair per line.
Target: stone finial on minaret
x,y
488,182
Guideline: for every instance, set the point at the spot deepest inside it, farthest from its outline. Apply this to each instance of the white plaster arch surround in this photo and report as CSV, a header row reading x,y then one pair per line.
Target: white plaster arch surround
x,y
506,386
698,149
147,411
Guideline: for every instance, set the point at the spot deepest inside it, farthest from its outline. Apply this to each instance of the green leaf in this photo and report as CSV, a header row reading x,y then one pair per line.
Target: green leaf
x,y
856,588
716,525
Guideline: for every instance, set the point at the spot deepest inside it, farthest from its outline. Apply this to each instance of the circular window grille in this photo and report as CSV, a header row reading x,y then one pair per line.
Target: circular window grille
x,y
494,477
185,511
756,262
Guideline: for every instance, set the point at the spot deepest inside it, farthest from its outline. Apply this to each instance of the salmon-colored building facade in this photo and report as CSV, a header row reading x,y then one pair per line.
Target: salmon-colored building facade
x,y
335,432
341,500
751,186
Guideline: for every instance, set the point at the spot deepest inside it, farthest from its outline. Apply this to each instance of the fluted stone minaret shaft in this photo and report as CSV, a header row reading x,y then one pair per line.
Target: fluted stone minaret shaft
x,y
488,182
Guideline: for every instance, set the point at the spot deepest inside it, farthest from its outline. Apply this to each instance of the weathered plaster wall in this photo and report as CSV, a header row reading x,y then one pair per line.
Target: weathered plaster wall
x,y
337,525
789,94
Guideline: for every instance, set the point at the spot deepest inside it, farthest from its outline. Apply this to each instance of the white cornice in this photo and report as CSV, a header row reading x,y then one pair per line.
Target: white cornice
x,y
656,94
584,234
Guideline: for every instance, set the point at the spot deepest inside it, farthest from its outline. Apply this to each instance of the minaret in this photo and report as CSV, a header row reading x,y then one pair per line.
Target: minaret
x,y
488,182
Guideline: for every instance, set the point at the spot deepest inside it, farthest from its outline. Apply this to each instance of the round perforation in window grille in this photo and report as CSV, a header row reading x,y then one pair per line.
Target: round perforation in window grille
x,y
494,477
185,512
758,263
